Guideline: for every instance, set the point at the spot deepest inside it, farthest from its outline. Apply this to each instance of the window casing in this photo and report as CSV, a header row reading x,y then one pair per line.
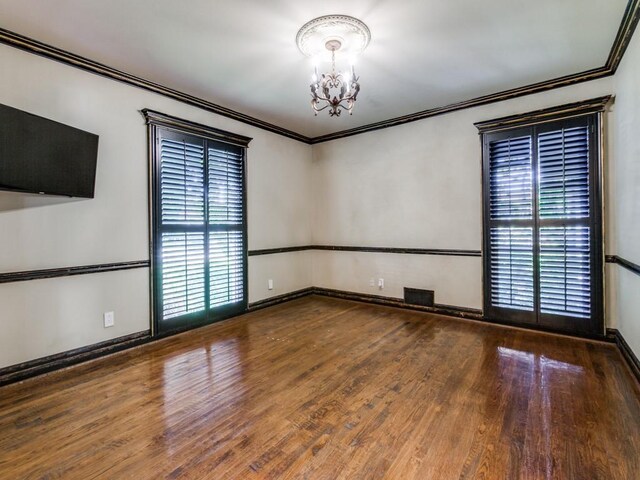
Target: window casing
x,y
543,255
198,216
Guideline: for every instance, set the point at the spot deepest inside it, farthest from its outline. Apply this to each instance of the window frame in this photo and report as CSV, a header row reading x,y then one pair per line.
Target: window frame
x,y
535,123
158,122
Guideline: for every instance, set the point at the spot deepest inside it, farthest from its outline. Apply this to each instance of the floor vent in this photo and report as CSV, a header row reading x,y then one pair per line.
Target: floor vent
x,y
417,296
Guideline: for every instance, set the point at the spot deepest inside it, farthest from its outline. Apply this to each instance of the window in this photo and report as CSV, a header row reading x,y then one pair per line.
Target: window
x,y
542,222
198,223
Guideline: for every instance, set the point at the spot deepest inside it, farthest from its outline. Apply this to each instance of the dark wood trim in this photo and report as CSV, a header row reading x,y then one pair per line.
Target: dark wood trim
x,y
623,262
50,363
565,81
544,328
449,310
39,48
623,37
438,308
70,271
32,368
271,301
626,30
629,356
343,248
531,125
162,119
560,112
408,251
270,251
166,126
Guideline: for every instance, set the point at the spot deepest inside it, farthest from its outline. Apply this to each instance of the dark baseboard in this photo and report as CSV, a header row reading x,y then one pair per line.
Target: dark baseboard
x,y
271,301
23,371
460,312
32,368
599,337
450,311
630,358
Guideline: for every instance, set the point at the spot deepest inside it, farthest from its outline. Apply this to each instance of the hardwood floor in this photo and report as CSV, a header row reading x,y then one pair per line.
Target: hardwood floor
x,y
320,388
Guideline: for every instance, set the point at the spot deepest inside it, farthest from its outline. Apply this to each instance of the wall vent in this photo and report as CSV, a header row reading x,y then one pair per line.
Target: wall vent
x,y
417,296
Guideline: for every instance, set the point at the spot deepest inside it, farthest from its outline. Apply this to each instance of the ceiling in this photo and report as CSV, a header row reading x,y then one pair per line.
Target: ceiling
x,y
241,54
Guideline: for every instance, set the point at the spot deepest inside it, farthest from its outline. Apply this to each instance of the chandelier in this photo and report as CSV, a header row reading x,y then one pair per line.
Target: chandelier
x,y
321,39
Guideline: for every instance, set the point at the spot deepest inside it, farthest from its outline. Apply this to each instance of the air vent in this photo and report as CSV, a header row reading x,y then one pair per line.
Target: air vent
x,y
417,296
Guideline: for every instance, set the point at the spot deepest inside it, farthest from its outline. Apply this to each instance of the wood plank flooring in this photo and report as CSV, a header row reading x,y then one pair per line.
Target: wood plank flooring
x,y
320,388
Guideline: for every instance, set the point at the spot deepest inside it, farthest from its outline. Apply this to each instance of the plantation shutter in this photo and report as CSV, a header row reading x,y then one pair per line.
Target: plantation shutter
x,y
199,229
565,271
510,168
226,215
565,221
182,167
564,173
512,267
182,273
542,242
227,272
511,227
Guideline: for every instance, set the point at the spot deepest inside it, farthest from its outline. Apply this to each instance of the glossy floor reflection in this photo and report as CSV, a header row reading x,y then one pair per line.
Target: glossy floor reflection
x,y
321,388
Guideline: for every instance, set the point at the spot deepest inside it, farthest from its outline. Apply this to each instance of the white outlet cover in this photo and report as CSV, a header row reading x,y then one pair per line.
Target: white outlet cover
x,y
109,319
270,284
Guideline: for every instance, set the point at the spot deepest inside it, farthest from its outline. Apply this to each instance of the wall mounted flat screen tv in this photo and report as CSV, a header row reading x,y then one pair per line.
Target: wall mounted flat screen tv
x,y
38,155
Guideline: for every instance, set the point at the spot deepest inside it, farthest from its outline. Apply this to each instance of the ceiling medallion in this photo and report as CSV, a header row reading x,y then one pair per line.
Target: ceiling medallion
x,y
321,39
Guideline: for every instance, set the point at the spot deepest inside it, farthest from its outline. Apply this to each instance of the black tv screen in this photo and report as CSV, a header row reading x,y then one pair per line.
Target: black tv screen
x,y
38,155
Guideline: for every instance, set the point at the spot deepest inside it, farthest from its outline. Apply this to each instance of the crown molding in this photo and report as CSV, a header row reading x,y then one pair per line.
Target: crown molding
x,y
475,102
623,37
53,53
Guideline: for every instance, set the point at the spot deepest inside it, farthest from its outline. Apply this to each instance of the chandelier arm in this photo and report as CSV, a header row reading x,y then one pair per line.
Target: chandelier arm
x,y
319,109
316,95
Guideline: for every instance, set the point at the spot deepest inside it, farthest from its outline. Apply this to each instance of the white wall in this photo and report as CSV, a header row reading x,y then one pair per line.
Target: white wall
x,y
415,185
43,317
626,191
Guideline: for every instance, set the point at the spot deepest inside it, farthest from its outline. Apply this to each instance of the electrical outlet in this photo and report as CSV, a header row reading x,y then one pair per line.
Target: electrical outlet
x,y
109,319
381,283
270,284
